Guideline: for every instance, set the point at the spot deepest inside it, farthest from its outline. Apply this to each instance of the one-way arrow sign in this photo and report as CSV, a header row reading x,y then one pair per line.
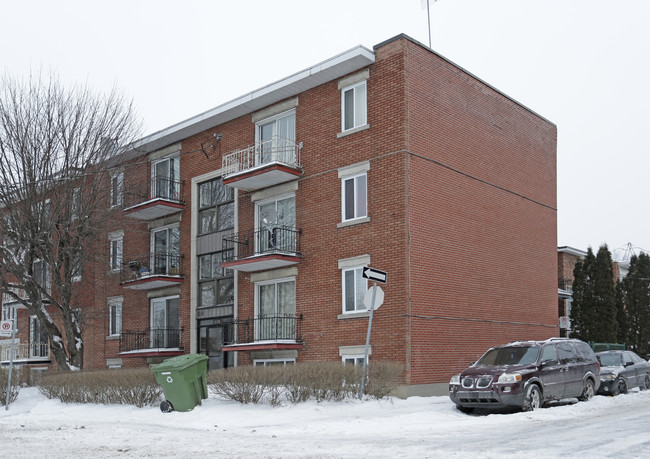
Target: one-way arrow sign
x,y
374,274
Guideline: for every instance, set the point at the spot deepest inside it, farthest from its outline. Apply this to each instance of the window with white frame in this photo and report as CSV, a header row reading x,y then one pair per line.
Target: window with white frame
x,y
10,312
354,106
276,309
276,138
273,362
165,323
76,267
166,250
354,197
166,178
115,317
352,359
276,220
38,339
354,289
116,241
76,203
41,274
117,185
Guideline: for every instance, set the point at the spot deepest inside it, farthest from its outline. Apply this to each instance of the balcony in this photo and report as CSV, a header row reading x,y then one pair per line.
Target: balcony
x,y
152,342
26,353
156,198
281,331
152,271
263,248
262,165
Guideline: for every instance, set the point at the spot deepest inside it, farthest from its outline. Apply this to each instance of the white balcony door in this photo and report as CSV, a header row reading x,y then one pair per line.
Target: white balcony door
x,y
166,250
164,322
277,137
276,221
277,309
166,178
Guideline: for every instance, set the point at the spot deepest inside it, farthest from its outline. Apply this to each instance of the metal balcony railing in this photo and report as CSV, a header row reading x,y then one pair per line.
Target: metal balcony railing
x,y
25,351
157,338
275,150
152,265
157,187
261,241
278,327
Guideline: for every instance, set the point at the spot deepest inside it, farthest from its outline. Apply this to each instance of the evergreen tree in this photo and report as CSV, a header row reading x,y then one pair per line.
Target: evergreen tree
x,y
593,310
636,298
605,327
621,313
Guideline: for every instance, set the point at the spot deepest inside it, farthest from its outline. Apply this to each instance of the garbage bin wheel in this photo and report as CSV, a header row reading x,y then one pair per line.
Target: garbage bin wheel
x,y
166,407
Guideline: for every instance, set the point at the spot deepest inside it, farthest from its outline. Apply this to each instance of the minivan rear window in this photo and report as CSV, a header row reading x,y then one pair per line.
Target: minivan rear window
x,y
514,355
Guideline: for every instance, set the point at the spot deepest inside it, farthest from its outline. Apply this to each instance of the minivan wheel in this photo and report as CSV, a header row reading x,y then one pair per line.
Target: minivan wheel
x,y
646,383
587,391
533,399
622,386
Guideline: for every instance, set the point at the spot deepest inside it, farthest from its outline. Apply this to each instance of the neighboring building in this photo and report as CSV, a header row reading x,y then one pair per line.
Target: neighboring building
x,y
566,261
242,232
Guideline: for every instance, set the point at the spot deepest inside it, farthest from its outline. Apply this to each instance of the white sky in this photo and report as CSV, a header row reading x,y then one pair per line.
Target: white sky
x,y
584,65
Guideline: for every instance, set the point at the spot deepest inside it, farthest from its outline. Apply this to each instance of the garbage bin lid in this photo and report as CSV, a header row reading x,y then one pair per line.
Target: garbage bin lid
x,y
180,363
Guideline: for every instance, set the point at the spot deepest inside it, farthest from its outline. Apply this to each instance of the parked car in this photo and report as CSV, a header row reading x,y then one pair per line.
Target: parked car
x,y
527,375
621,371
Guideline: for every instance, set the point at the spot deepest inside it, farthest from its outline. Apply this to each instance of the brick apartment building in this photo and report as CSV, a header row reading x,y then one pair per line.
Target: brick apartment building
x,y
242,232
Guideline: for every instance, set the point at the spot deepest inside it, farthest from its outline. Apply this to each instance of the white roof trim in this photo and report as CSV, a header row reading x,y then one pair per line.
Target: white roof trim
x,y
328,70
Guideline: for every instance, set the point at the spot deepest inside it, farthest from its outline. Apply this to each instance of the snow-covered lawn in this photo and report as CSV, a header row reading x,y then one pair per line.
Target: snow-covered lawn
x,y
417,427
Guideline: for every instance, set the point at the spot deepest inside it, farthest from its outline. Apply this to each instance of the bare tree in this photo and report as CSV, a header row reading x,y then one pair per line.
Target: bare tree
x,y
56,149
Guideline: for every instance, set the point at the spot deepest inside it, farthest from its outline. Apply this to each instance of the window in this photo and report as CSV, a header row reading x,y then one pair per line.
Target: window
x,y
216,207
354,197
354,289
276,309
273,362
165,332
9,312
354,106
166,250
352,360
276,220
76,203
166,178
37,339
116,245
216,284
76,267
40,274
115,318
276,138
117,185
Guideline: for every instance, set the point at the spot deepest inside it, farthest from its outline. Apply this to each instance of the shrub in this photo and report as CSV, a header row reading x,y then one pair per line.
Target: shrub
x,y
15,385
135,386
320,381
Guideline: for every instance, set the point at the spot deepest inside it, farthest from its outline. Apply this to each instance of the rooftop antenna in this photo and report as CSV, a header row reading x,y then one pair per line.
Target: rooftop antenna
x,y
427,2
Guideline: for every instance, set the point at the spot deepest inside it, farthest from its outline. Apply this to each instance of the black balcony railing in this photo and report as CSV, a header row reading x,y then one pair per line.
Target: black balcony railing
x,y
157,187
280,239
142,267
157,338
280,327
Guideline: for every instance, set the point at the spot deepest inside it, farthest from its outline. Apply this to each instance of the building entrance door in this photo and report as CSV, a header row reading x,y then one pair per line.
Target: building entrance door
x,y
211,336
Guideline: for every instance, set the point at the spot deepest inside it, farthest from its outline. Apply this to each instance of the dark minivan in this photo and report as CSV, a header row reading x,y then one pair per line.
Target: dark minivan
x,y
527,375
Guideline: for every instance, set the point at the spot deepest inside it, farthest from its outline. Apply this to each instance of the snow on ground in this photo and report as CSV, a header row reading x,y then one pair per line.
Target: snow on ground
x,y
36,427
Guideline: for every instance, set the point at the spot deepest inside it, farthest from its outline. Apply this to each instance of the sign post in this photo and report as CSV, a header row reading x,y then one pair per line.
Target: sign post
x,y
7,329
376,276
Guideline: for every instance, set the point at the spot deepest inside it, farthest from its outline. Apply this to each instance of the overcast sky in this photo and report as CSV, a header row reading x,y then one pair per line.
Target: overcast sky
x,y
584,65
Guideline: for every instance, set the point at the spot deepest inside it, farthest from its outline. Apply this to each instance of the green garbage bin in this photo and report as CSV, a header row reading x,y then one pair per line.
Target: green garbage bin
x,y
183,379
